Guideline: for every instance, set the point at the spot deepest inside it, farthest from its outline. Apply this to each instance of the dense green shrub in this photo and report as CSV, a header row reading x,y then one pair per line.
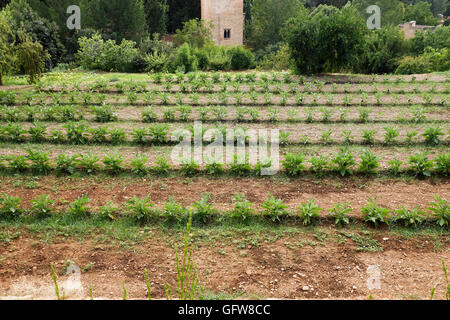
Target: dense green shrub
x,y
278,60
197,33
94,53
430,61
436,39
314,45
382,49
186,60
240,58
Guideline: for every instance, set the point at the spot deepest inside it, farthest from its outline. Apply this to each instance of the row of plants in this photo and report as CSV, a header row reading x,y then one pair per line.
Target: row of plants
x,y
143,210
244,78
184,113
230,98
105,86
343,164
160,133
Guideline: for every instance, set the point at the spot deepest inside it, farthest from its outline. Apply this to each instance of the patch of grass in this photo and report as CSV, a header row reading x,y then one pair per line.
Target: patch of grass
x,y
364,243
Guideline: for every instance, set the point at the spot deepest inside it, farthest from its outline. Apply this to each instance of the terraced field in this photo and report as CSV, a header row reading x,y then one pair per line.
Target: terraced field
x,y
90,156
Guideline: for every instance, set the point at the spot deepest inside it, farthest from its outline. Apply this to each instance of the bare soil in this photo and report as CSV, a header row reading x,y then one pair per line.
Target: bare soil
x,y
409,269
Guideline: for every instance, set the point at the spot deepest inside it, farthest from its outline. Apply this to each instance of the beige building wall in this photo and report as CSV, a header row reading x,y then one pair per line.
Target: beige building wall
x,y
225,15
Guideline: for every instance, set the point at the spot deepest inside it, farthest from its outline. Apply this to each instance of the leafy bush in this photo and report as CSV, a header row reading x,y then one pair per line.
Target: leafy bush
x,y
108,211
104,113
309,212
382,50
94,53
66,164
158,133
430,61
274,208
40,161
31,57
196,33
319,165
189,167
316,32
372,213
240,58
431,135
186,60
138,165
279,60
88,163
162,165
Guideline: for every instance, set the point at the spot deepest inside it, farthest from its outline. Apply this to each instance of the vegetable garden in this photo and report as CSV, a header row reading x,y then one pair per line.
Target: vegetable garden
x,y
336,131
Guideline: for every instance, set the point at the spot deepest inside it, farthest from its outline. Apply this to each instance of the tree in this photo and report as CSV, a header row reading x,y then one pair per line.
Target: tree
x,y
156,15
327,39
115,19
197,33
382,49
267,19
31,57
38,28
7,55
421,13
181,11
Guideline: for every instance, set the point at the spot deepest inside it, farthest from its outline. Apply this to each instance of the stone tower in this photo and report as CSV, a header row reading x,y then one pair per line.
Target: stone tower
x,y
228,19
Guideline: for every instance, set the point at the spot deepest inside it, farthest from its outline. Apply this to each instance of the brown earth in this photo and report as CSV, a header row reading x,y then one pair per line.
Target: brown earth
x,y
409,269
391,193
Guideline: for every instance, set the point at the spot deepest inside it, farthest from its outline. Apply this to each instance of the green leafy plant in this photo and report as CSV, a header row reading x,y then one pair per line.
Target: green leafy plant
x,y
66,164
138,165
41,206
441,211
162,165
203,209
293,164
431,135
78,208
420,165
242,210
141,210
369,163
40,161
309,212
443,164
113,163
374,214
344,160
410,217
274,208
10,206
340,213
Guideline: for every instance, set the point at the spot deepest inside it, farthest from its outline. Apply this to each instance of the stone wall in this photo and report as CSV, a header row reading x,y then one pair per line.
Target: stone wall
x,y
225,15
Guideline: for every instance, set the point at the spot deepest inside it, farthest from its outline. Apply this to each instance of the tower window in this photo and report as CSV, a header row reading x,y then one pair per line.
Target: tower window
x,y
227,34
